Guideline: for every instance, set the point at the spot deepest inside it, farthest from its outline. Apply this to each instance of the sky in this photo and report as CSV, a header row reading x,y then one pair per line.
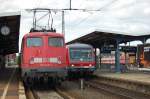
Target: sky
x,y
130,17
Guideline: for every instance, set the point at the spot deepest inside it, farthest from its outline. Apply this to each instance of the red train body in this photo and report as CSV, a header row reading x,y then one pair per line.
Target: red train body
x,y
43,54
81,58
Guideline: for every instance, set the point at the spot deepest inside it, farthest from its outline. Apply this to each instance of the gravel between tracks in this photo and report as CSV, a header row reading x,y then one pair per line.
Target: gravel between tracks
x,y
49,94
73,89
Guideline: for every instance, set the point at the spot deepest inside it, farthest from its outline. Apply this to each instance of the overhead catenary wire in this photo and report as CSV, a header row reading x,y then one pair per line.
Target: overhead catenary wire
x,y
42,17
82,2
100,9
86,10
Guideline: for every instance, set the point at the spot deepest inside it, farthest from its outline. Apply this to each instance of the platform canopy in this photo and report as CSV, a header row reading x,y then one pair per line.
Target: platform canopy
x,y
98,38
9,32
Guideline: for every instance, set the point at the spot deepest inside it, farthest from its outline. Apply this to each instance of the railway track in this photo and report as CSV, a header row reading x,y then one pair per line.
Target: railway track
x,y
54,93
93,89
86,93
115,90
67,93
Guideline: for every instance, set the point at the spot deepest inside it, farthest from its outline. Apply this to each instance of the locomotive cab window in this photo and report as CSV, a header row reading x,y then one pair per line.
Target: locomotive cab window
x,y
34,42
56,42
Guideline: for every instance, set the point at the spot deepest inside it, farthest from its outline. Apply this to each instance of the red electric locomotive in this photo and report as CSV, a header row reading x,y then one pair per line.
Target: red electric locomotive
x,y
43,52
43,55
81,59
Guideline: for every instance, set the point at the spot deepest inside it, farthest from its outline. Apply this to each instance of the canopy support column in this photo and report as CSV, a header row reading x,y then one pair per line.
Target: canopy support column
x,y
117,58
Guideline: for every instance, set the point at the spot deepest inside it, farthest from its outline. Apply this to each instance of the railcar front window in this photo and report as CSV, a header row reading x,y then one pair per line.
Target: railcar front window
x,y
57,42
34,41
81,55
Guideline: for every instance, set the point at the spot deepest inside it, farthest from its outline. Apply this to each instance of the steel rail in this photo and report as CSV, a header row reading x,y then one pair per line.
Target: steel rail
x,y
118,91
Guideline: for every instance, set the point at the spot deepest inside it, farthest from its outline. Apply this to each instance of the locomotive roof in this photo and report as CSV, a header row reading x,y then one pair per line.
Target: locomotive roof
x,y
79,45
43,34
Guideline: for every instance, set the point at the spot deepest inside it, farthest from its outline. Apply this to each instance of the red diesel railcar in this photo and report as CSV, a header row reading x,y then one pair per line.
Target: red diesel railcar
x,y
43,56
81,58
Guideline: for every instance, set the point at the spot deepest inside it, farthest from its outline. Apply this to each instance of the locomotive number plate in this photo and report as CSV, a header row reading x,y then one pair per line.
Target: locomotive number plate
x,y
53,60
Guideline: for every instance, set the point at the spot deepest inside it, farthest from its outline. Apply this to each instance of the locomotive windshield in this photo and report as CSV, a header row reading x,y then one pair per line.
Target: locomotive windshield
x,y
81,54
56,41
34,41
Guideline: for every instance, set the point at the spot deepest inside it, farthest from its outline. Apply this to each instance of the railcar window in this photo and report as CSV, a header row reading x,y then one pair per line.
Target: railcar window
x,y
34,41
81,55
57,42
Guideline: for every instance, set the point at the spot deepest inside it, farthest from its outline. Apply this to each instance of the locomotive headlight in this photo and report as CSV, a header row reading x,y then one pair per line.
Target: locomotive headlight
x,y
31,60
90,64
59,62
72,65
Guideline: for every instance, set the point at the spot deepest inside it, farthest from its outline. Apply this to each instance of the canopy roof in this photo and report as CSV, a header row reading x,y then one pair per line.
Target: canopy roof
x,y
9,33
98,38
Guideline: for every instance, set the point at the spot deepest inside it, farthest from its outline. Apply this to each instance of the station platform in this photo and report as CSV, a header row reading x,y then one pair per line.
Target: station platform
x,y
130,76
132,80
10,84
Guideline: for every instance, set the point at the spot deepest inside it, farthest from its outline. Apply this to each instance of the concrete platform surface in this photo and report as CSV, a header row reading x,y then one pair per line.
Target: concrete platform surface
x,y
130,76
10,84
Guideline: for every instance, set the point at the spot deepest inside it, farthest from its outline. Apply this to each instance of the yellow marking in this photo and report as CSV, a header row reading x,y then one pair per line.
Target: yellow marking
x,y
7,86
21,91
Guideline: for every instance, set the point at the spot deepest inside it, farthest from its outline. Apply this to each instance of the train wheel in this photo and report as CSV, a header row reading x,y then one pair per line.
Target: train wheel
x,y
59,81
28,81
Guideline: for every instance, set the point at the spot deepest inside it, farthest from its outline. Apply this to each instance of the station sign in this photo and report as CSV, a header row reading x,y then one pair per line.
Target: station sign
x,y
121,48
147,53
107,49
128,49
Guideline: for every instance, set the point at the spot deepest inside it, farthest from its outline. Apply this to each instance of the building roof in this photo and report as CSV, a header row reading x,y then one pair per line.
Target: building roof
x,y
98,38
